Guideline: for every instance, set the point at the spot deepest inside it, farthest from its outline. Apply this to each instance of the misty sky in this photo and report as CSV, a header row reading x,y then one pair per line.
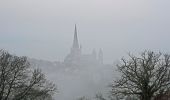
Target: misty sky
x,y
44,29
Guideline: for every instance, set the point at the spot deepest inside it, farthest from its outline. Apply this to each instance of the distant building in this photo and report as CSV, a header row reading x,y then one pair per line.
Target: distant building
x,y
75,57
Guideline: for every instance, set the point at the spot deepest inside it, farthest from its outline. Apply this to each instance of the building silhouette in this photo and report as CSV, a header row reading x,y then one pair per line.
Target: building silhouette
x,y
75,57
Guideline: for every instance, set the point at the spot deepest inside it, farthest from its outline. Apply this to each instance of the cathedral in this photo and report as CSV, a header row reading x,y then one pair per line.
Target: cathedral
x,y
75,57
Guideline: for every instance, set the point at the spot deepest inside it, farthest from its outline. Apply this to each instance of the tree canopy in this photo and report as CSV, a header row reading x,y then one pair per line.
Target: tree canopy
x,y
18,81
145,76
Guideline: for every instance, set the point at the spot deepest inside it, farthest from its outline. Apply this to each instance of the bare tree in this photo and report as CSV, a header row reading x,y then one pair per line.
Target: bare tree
x,y
19,82
144,76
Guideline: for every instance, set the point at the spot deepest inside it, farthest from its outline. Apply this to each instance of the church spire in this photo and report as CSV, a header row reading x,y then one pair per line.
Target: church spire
x,y
75,41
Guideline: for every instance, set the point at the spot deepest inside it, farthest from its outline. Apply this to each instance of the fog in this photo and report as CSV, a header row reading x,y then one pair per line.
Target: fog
x,y
44,29
116,26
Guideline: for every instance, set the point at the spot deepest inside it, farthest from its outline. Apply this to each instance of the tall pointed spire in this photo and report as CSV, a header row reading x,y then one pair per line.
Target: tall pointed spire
x,y
75,41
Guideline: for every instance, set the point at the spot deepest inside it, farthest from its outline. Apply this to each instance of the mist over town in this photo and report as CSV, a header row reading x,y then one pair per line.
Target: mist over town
x,y
84,50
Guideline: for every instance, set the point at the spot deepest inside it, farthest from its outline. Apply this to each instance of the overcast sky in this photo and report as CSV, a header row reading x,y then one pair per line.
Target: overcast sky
x,y
44,29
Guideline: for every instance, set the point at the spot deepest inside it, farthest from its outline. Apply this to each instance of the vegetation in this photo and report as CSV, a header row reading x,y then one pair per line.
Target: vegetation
x,y
144,76
18,81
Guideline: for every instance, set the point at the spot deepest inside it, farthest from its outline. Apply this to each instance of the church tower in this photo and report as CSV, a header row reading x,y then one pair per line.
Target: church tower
x,y
76,49
75,53
76,58
75,40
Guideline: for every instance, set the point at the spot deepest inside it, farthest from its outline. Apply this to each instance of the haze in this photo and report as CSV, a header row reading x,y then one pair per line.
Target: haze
x,y
44,29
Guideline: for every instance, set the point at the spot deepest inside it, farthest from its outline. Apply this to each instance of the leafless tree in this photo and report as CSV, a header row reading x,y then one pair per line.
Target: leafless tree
x,y
144,76
18,81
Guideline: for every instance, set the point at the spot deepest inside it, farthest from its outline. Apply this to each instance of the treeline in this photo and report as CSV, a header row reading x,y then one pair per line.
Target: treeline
x,y
142,77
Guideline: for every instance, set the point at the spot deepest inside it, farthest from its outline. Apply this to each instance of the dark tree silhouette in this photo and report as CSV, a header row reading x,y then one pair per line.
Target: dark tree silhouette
x,y
144,76
18,81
